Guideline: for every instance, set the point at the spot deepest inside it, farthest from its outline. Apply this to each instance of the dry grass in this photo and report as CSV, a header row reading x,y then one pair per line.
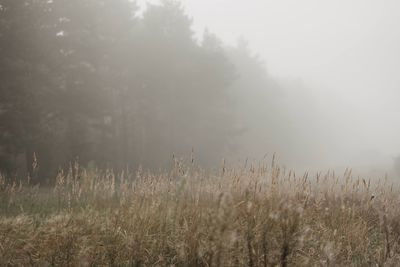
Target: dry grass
x,y
258,216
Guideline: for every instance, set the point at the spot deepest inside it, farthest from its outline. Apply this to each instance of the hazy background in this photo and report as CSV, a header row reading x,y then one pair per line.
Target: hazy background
x,y
122,84
344,53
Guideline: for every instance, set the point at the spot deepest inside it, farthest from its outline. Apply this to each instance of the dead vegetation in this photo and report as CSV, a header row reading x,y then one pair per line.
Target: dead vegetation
x,y
254,216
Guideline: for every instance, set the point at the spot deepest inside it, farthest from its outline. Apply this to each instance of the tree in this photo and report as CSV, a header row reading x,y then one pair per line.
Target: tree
x,y
22,72
89,79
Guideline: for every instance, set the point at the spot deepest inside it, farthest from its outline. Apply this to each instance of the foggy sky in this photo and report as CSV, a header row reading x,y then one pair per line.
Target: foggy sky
x,y
346,52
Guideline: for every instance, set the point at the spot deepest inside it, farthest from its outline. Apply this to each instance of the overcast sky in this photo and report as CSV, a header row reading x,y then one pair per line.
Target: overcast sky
x,y
346,51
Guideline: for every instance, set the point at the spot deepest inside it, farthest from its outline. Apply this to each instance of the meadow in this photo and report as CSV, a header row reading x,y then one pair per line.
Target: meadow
x,y
256,215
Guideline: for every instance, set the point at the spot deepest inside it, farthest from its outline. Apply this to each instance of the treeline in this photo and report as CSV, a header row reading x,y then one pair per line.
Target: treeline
x,y
99,82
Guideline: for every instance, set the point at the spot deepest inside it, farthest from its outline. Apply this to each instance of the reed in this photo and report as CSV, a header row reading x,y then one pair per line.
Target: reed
x,y
259,215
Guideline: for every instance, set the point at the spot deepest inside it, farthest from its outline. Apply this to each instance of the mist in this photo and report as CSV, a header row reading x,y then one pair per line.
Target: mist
x,y
338,65
128,85
199,133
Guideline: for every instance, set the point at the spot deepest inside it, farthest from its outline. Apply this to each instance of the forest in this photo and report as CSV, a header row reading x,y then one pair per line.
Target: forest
x,y
129,138
99,83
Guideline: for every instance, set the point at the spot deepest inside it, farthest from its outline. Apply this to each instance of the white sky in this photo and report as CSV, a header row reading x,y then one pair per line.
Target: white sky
x,y
347,51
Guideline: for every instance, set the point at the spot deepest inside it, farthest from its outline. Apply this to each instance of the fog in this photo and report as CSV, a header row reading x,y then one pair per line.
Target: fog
x,y
124,84
344,54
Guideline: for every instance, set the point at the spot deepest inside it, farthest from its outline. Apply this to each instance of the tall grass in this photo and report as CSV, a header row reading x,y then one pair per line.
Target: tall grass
x,y
261,215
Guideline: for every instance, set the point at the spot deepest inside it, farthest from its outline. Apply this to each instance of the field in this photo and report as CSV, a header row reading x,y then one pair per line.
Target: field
x,y
259,215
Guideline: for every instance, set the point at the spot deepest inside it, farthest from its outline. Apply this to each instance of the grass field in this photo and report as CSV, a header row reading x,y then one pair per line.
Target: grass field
x,y
261,215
